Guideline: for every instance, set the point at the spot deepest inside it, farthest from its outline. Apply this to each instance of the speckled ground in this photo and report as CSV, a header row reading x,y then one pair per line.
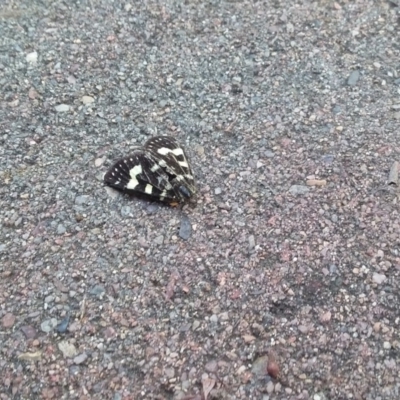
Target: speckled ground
x,y
290,113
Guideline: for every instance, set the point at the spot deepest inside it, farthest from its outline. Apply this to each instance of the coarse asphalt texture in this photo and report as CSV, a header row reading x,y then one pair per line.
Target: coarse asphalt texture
x,y
282,282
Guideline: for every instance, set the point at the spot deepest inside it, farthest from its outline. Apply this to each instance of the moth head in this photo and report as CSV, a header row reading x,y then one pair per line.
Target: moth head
x,y
184,191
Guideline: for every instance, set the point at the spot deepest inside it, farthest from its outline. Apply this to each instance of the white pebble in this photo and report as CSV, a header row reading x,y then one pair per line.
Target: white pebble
x,y
99,161
62,108
378,278
87,99
32,57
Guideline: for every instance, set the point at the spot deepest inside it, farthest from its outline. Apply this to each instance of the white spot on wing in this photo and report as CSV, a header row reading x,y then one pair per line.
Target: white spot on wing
x,y
132,183
177,152
135,171
163,151
148,189
183,164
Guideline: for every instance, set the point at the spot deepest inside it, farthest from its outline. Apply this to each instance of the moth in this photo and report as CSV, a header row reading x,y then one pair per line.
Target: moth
x,y
158,170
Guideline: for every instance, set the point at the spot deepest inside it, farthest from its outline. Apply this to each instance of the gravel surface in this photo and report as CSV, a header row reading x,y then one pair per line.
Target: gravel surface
x,y
283,282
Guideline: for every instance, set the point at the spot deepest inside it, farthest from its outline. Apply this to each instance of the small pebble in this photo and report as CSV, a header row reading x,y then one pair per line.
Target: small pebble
x,y
80,359
8,320
353,78
74,370
269,154
109,332
112,193
273,369
67,348
61,229
29,331
152,208
185,230
125,211
259,367
98,162
200,150
214,318
97,290
81,200
33,94
159,240
328,159
195,325
387,345
62,108
49,299
32,57
252,242
316,182
169,372
211,366
87,99
333,268
48,325
378,278
298,190
63,325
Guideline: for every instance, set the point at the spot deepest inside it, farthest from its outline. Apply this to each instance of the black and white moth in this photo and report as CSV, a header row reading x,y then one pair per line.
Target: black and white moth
x,y
159,170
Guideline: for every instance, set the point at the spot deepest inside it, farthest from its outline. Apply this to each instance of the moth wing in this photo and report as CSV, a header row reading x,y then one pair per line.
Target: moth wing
x,y
139,173
172,158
